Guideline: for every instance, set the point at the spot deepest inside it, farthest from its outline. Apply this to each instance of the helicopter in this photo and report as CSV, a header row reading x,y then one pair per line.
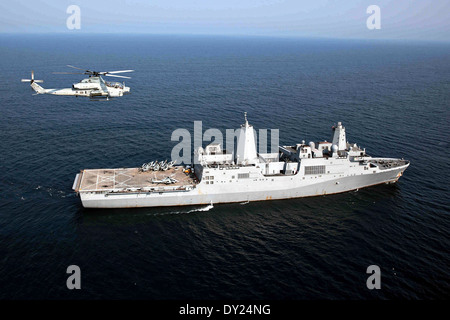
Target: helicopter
x,y
93,87
166,180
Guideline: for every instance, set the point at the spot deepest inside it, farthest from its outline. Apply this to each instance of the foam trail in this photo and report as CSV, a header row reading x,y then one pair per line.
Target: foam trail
x,y
207,208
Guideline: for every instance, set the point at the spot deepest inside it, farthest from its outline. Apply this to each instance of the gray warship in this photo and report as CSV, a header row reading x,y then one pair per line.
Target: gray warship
x,y
242,175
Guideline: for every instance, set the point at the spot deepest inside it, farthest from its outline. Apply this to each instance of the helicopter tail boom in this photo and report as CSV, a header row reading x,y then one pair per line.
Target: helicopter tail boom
x,y
37,88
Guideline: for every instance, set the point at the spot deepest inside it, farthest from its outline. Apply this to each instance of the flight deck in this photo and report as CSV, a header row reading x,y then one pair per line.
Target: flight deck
x,y
133,179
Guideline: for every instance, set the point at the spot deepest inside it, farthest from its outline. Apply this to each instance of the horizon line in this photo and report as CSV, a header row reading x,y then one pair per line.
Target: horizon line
x,y
237,35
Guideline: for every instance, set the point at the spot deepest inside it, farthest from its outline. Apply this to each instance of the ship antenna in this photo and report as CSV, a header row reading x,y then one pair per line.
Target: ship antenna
x,y
245,116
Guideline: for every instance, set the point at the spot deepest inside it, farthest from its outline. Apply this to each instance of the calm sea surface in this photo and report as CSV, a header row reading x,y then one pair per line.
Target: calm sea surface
x,y
392,97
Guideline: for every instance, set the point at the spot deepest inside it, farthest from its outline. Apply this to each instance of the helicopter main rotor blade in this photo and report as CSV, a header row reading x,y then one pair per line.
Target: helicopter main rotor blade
x,y
74,67
85,71
112,75
68,72
120,71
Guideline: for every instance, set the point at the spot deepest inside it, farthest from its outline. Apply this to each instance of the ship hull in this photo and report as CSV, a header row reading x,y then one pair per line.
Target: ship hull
x,y
293,187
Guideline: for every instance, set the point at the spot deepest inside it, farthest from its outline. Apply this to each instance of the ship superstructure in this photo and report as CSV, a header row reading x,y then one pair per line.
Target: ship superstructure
x,y
243,174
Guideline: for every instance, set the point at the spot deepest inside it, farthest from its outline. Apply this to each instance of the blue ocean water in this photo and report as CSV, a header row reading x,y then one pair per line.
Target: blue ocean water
x,y
393,98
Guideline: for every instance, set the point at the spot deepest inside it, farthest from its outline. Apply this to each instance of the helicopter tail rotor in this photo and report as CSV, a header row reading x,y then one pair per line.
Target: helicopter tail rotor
x,y
37,88
32,79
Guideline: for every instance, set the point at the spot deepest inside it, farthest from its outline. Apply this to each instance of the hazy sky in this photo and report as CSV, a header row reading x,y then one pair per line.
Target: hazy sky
x,y
400,19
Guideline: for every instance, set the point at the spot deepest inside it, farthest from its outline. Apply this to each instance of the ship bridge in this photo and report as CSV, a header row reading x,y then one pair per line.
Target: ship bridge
x,y
338,148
